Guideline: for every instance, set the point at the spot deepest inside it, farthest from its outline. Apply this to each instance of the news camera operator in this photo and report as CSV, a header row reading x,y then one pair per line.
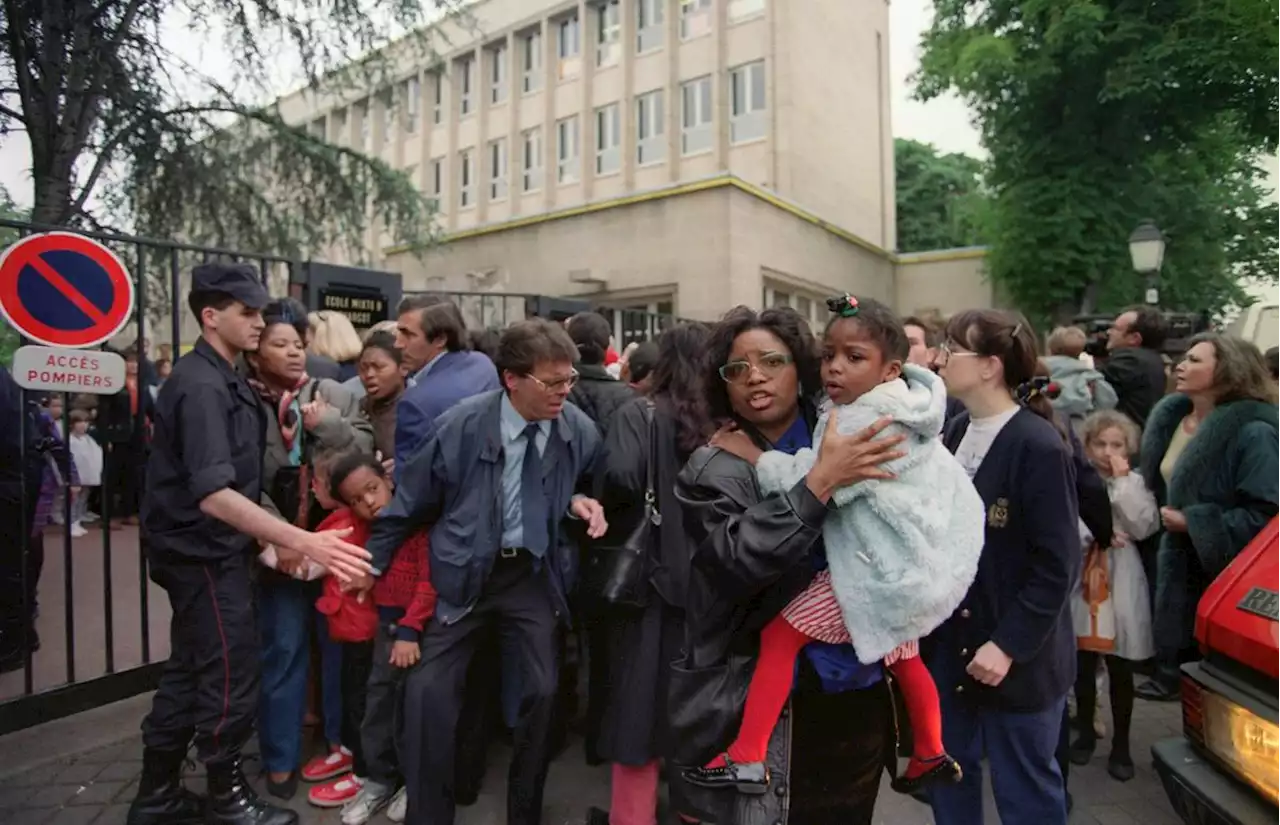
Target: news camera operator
x,y
1133,365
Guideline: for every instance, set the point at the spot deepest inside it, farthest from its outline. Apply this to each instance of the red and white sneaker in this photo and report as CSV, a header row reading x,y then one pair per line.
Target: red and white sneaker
x,y
334,763
337,793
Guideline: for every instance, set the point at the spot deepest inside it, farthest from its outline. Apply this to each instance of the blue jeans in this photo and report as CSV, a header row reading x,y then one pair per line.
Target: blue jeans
x,y
1020,747
286,613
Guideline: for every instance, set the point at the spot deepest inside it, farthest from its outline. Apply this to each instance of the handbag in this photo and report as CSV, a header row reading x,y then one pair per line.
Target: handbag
x,y
617,573
291,487
1095,619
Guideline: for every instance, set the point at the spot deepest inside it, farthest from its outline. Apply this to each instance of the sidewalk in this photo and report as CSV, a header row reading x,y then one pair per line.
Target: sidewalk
x,y
84,770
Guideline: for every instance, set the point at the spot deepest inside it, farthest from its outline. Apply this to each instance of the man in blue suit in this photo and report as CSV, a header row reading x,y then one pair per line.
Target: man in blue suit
x,y
442,370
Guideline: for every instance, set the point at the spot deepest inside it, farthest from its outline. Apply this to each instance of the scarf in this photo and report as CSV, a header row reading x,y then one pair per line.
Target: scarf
x,y
282,402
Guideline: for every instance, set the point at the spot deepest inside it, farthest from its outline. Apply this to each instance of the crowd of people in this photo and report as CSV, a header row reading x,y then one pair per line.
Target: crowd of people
x,y
772,560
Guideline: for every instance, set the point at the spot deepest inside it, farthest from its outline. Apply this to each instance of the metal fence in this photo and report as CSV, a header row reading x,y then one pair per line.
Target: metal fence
x,y
498,310
102,627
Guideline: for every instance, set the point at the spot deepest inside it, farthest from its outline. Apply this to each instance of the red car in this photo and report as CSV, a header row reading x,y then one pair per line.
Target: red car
x,y
1224,770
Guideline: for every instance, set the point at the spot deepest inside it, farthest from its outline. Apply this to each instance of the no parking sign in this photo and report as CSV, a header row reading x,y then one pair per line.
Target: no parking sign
x,y
67,292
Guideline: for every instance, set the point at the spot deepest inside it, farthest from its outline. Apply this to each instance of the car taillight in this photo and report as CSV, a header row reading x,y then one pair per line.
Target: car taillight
x,y
1192,710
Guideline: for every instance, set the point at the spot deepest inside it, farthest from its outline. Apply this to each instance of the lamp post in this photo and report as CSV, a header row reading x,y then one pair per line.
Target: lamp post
x,y
1146,251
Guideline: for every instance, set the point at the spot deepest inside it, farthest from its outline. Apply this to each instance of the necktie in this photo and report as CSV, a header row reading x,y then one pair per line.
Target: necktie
x,y
533,499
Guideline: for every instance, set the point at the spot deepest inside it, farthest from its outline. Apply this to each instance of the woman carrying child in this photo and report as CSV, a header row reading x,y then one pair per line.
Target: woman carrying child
x,y
901,551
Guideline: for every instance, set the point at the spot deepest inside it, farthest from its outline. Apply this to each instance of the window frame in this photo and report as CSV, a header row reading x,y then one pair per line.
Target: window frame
x,y
650,110
466,90
650,25
757,9
608,126
608,35
437,182
569,167
412,103
691,12
437,106
705,107
498,81
568,33
531,176
499,161
755,79
466,179
531,69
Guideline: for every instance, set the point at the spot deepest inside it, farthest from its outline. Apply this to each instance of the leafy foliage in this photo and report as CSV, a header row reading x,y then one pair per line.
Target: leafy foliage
x,y
128,134
1096,115
940,202
9,338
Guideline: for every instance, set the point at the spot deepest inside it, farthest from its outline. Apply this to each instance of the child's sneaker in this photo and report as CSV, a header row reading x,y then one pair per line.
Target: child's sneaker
x,y
337,793
371,798
399,807
77,531
334,763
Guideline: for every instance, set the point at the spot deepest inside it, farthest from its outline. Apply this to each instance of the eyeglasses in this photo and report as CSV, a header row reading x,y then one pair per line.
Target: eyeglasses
x,y
950,348
567,383
769,365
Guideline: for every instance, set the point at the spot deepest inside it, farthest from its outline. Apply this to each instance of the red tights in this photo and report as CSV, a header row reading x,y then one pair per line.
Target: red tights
x,y
780,643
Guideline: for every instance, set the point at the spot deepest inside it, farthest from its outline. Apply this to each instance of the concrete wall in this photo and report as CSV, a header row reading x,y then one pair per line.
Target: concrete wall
x,y
942,282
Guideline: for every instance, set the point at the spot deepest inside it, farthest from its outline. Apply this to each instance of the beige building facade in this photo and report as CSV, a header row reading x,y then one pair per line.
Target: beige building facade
x,y
677,156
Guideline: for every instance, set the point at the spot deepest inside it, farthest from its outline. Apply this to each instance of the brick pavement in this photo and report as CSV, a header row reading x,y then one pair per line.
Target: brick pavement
x,y
96,787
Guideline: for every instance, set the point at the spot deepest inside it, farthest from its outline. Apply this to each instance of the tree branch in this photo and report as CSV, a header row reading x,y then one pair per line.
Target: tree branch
x,y
6,111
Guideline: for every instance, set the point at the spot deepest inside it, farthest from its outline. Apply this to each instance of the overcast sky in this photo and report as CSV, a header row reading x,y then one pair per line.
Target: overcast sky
x,y
943,122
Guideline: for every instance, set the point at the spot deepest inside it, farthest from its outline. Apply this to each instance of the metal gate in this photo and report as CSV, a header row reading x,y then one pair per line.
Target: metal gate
x,y
102,626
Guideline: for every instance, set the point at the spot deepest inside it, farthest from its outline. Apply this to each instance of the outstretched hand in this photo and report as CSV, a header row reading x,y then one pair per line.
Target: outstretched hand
x,y
346,561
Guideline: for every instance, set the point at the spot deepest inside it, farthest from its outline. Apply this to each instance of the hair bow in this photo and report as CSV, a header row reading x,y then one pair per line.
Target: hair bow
x,y
1036,387
846,306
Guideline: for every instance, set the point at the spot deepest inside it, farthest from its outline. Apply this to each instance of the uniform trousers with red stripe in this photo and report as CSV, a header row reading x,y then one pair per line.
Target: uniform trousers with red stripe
x,y
208,692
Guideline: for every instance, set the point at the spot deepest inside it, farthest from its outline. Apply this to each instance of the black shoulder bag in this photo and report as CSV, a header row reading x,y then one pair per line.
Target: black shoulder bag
x,y
617,573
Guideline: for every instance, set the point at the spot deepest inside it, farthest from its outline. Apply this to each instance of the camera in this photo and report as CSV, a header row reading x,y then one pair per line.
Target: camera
x,y
1180,327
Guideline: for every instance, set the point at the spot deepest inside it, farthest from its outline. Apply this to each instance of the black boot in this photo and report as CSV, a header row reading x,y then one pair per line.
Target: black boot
x,y
233,802
161,799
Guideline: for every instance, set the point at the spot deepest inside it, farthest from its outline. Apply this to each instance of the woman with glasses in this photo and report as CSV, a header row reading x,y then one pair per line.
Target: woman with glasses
x,y
1005,660
752,554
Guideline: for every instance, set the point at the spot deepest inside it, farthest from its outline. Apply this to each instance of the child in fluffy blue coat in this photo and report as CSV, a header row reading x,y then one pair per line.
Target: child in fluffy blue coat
x,y
901,552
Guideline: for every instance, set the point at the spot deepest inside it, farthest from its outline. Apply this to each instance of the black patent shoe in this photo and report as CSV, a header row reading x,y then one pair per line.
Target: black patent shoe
x,y
1153,690
285,790
595,816
942,769
1081,750
747,777
1120,767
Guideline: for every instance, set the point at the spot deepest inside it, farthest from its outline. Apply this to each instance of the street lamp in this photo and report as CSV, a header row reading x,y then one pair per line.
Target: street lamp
x,y
1146,250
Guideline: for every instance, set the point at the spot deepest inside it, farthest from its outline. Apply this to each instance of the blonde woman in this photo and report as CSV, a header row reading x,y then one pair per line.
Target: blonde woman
x,y
333,336
1209,454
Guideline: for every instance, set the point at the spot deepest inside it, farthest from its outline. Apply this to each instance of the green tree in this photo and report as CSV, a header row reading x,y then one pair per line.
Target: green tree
x,y
127,133
940,202
9,338
1096,115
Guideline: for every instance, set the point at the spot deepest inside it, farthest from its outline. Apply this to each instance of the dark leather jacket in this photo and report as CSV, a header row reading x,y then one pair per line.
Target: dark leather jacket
x,y
753,555
1137,374
599,395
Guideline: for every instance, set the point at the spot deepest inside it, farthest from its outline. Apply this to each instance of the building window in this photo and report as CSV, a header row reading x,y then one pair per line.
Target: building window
x,y
568,47
742,9
498,75
366,125
466,174
498,169
412,104
567,150
389,103
532,162
466,101
608,33
437,105
608,139
747,115
317,128
649,28
695,18
532,48
695,120
340,133
651,130
437,184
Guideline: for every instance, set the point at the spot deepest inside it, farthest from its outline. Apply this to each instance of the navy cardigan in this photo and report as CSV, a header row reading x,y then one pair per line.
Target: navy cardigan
x,y
1028,567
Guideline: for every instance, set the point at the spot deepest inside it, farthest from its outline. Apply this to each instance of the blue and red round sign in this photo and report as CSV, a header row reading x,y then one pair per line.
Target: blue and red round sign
x,y
64,290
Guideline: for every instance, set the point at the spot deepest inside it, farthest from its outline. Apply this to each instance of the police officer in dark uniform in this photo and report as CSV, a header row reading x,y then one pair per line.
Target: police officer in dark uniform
x,y
201,518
